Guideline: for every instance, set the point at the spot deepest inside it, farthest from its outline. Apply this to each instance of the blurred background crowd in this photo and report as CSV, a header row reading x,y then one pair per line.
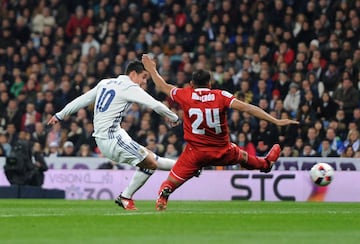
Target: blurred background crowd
x,y
294,59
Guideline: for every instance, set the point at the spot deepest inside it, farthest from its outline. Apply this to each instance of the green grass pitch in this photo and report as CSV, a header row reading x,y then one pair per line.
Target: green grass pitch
x,y
69,221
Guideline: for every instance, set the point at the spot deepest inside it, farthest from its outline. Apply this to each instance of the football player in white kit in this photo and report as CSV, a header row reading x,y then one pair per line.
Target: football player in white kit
x,y
112,97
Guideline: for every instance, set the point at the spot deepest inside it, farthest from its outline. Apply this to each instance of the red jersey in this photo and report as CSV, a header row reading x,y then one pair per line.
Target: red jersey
x,y
205,112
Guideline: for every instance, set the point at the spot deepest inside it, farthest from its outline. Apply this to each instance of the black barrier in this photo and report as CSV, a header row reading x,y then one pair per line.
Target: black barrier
x,y
33,192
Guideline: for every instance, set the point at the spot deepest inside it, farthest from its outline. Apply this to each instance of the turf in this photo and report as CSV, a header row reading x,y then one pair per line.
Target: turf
x,y
61,221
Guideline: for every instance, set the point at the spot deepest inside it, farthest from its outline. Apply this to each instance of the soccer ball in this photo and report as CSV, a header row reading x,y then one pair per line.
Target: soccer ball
x,y
322,174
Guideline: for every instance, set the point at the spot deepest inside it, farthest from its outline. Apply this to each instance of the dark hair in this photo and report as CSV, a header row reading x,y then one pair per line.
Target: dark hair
x,y
136,66
201,77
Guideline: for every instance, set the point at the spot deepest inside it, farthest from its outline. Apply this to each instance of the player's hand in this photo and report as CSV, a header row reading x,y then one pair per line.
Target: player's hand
x,y
53,120
283,122
148,62
171,124
176,123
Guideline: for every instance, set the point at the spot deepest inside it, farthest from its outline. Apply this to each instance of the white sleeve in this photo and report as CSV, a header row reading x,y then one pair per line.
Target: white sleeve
x,y
79,102
138,95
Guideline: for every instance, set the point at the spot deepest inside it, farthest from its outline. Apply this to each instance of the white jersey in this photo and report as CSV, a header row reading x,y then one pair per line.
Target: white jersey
x,y
112,97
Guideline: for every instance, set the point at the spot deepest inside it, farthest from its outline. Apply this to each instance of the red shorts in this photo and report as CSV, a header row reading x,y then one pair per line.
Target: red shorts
x,y
191,160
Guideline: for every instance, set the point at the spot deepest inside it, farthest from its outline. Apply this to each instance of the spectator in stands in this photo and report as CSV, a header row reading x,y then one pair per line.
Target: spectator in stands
x,y
60,12
261,91
162,133
18,84
325,149
310,100
42,19
312,138
245,144
292,99
308,151
287,134
299,144
85,151
245,127
356,117
264,136
348,152
39,134
276,104
29,119
68,150
89,42
7,39
144,129
21,30
55,135
282,84
352,140
320,129
4,100
306,118
347,97
264,104
174,140
52,150
341,121
76,135
289,151
287,53
171,151
317,87
331,76
78,23
234,124
152,144
326,109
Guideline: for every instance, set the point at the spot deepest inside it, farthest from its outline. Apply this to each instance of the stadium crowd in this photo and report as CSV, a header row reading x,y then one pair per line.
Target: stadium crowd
x,y
294,59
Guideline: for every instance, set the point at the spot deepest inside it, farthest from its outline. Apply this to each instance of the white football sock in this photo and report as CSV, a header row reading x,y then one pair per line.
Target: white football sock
x,y
138,180
164,163
141,175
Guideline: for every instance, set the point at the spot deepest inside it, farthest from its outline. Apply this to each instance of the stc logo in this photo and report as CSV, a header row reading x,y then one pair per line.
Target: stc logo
x,y
235,179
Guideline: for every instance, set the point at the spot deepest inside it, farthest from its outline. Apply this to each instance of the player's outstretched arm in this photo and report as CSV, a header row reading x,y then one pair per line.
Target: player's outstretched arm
x,y
259,113
160,83
74,106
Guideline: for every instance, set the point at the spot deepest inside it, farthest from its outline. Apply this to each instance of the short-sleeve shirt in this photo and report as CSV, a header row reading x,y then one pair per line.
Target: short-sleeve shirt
x,y
205,116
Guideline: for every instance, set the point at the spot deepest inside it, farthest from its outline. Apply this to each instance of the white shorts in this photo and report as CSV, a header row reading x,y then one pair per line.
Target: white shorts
x,y
122,149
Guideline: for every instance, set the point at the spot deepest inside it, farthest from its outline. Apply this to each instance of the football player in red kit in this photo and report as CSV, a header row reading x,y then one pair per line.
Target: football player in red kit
x,y
205,130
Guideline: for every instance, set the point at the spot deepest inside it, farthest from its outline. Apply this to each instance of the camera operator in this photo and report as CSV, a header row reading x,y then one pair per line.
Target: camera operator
x,y
40,165
26,164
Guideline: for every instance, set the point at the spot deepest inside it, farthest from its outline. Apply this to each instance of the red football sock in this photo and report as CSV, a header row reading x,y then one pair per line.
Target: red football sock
x,y
167,184
254,162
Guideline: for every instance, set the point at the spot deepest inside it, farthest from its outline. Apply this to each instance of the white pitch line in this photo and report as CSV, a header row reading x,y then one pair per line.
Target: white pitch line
x,y
125,213
28,215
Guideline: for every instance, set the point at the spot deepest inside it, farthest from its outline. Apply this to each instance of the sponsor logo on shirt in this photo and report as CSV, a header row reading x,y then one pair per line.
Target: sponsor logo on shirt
x,y
205,98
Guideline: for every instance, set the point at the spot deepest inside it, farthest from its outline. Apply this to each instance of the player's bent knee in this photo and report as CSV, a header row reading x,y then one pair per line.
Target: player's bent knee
x,y
148,164
153,166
